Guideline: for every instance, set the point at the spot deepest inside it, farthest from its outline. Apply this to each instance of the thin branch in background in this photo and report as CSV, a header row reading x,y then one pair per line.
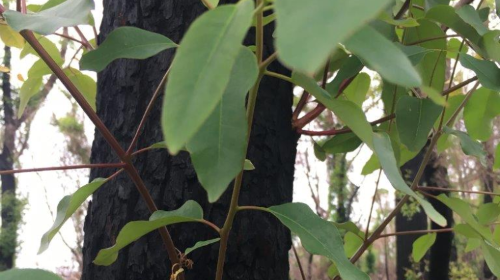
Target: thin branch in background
x,y
86,43
334,131
372,205
56,168
298,262
459,191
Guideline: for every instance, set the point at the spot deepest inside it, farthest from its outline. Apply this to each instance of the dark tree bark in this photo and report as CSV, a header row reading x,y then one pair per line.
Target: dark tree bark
x,y
259,244
8,232
440,254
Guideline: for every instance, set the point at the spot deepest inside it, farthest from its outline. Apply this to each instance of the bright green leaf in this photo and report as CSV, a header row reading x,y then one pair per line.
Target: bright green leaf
x,y
357,89
415,118
488,213
486,71
29,88
453,48
385,153
201,244
125,42
349,69
67,207
472,244
352,242
68,13
213,3
248,166
469,146
482,107
433,95
466,230
318,236
422,245
189,212
218,149
10,37
201,70
85,84
405,22
28,274
384,57
308,31
496,165
492,257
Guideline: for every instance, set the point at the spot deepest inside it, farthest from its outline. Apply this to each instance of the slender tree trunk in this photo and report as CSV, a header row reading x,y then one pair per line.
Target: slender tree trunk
x,y
488,182
259,244
8,232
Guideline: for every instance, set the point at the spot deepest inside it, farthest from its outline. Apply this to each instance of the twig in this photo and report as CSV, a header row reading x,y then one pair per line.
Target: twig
x,y
457,190
58,168
298,262
334,131
412,232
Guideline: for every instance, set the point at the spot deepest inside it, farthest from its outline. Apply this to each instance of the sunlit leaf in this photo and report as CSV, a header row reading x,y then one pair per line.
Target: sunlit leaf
x,y
422,245
352,242
415,118
472,244
67,207
384,57
385,153
201,70
28,274
201,244
10,37
308,31
318,236
125,42
433,95
29,88
405,22
482,107
218,148
189,212
85,84
68,13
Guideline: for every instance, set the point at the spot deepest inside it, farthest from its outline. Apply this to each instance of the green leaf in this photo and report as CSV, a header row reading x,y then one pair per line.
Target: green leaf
x,y
384,57
349,227
350,114
405,22
471,16
308,31
349,69
453,48
200,244
469,146
68,13
490,43
497,7
189,212
39,69
462,209
488,213
357,89
472,244
415,118
318,236
159,145
201,70
218,149
480,110
352,242
85,84
422,245
29,89
48,45
248,166
125,42
10,37
385,154
466,230
319,152
214,3
415,53
28,274
342,143
49,4
433,95
486,71
453,104
492,257
67,207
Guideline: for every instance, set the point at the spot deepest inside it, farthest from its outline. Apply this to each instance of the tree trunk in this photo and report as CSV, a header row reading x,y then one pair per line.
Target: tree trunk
x,y
259,244
9,205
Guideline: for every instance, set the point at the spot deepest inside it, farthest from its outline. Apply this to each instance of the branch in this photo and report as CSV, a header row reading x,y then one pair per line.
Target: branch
x,y
457,190
335,131
70,167
411,232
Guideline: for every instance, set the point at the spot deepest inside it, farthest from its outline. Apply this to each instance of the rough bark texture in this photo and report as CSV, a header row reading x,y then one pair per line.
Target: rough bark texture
x,y
259,244
9,215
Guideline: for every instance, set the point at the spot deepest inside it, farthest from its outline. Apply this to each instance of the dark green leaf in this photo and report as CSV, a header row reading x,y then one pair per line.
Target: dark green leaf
x,y
28,274
342,143
201,70
318,236
385,153
218,149
189,212
422,245
469,146
470,15
125,42
319,152
308,31
487,71
68,13
349,69
67,207
415,118
480,110
384,57
201,244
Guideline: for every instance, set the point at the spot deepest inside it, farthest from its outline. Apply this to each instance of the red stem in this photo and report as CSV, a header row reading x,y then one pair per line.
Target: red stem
x,y
335,131
70,167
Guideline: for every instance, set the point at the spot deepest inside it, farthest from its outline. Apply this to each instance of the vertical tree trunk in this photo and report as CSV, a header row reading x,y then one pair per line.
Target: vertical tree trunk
x,y
259,244
488,182
9,212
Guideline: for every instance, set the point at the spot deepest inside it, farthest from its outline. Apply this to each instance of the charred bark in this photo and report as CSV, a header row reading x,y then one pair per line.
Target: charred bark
x,y
259,244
